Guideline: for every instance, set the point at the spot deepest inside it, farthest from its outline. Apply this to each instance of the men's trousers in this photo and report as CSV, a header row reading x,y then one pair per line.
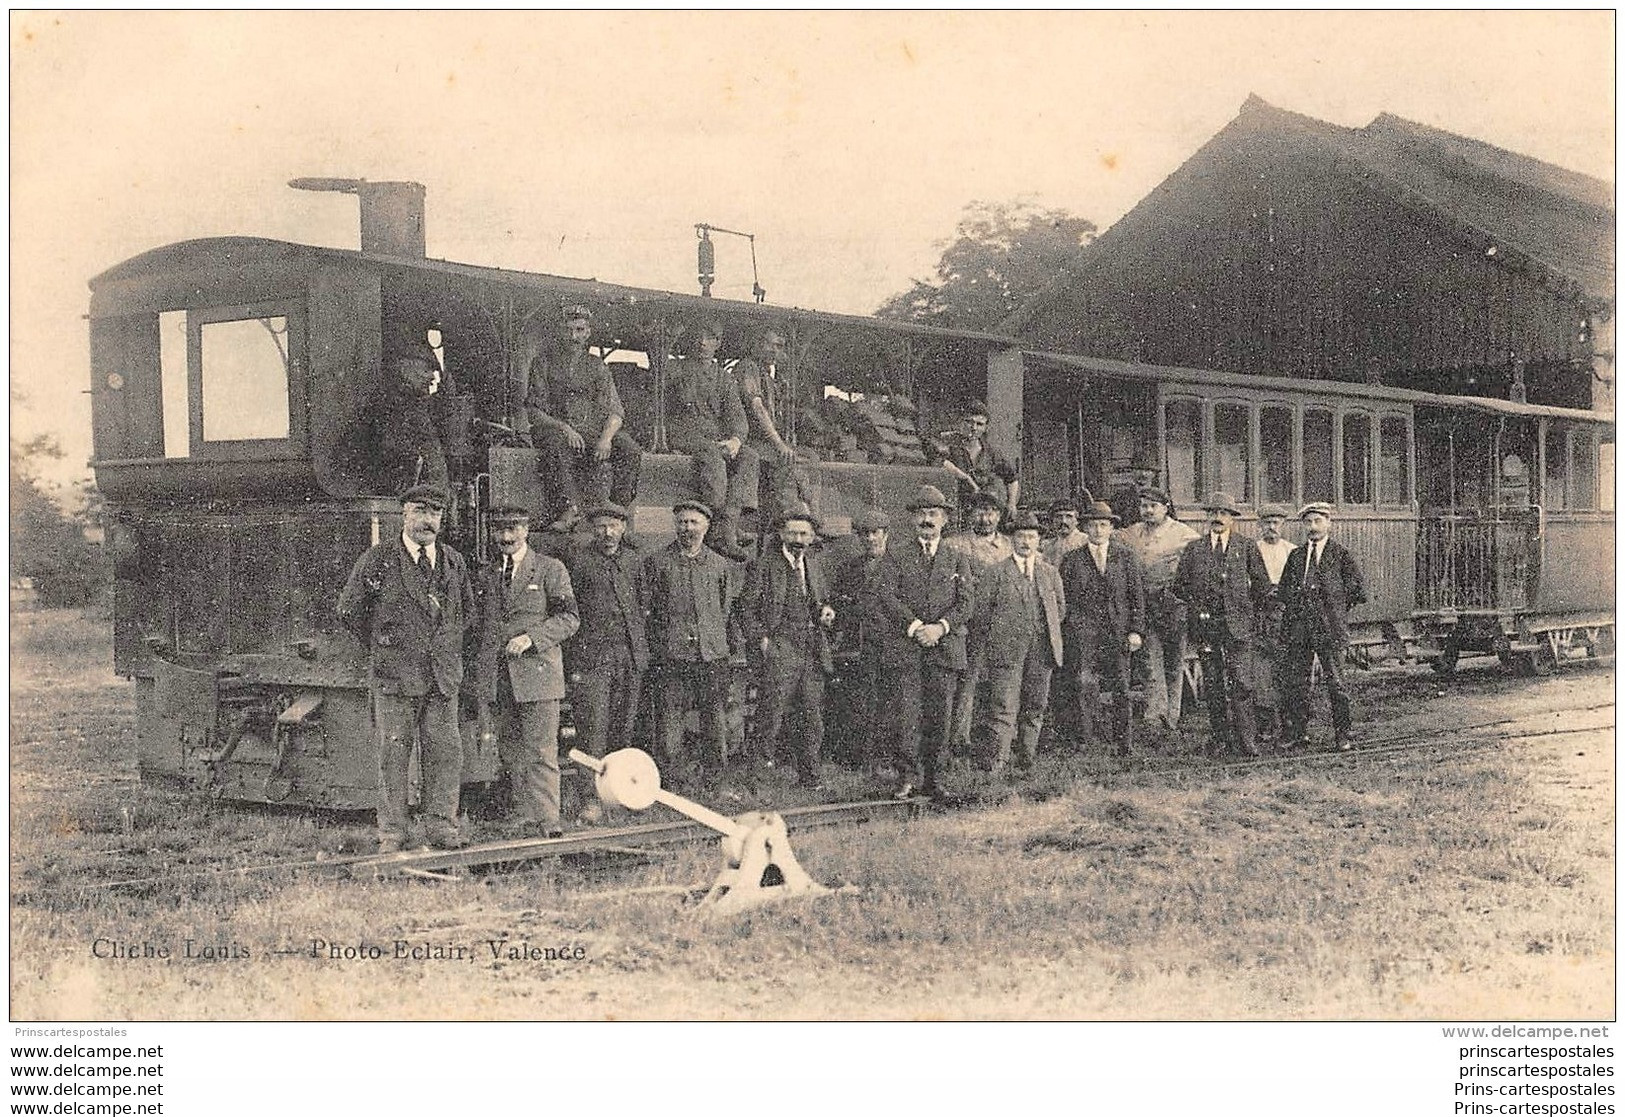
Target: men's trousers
x,y
528,743
429,721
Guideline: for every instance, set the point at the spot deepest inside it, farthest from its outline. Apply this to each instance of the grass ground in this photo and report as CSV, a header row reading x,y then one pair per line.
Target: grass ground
x,y
1432,885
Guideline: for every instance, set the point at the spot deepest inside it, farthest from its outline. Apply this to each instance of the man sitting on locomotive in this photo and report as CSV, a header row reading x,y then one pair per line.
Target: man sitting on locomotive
x,y
767,402
705,419
571,397
407,419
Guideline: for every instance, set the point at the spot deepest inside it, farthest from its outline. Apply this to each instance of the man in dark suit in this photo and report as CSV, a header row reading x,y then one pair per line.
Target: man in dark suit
x,y
527,609
1105,623
408,601
927,593
1019,607
870,724
787,613
1221,578
1320,584
607,658
689,592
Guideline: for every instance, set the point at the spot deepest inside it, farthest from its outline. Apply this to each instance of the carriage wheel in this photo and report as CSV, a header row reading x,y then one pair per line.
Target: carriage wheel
x,y
1542,661
1445,664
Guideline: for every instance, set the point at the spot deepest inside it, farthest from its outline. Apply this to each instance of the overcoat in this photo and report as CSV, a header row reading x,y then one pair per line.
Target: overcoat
x,y
767,594
1116,597
614,586
1203,580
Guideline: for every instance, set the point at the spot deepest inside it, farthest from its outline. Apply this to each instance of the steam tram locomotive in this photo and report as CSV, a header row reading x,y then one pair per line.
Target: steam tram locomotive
x,y
233,379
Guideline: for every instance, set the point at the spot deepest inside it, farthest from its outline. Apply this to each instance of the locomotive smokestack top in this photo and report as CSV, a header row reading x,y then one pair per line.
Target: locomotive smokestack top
x,y
391,213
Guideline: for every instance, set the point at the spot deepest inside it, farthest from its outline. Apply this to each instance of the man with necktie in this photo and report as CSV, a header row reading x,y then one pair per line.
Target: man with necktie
x,y
868,718
787,612
527,610
927,593
1019,607
408,601
1221,578
1319,585
1105,624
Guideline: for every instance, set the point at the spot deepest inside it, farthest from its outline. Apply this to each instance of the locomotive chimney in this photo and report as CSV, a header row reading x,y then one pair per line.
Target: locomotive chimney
x,y
391,213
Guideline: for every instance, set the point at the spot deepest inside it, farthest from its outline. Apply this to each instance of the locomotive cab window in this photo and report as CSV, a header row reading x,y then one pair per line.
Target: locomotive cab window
x,y
245,396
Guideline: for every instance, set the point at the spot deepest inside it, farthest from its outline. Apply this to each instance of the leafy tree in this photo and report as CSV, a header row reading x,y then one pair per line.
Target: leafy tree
x,y
1002,254
48,545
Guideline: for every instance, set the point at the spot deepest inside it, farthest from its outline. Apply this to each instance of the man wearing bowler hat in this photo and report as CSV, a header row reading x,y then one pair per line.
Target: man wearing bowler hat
x,y
1319,585
1159,539
1019,607
927,593
408,601
527,610
609,655
689,592
1221,579
1104,626
787,613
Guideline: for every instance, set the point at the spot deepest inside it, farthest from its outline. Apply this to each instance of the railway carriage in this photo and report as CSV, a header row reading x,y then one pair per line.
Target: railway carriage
x,y
1482,525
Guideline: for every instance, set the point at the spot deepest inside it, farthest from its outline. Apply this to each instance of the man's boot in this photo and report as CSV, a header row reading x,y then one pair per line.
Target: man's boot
x,y
723,536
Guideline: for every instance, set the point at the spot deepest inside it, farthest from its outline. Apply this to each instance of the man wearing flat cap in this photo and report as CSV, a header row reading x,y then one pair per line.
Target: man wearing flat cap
x,y
927,594
871,725
1104,626
408,601
1159,539
1221,579
689,593
608,657
1319,585
1020,604
787,610
527,610
1065,536
407,419
1270,684
705,419
575,416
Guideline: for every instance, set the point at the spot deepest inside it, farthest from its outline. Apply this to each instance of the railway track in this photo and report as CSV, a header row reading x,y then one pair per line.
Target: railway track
x,y
439,864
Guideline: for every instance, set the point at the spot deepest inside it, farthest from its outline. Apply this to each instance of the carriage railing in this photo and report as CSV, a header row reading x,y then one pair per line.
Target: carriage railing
x,y
1471,561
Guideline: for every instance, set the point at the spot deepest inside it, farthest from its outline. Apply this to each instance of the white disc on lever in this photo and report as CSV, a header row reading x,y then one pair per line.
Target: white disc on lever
x,y
629,779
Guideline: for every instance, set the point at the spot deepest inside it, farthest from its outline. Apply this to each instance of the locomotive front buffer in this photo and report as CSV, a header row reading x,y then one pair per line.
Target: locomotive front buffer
x,y
758,865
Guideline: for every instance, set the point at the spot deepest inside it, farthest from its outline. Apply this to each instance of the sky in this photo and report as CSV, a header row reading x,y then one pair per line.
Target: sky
x,y
589,144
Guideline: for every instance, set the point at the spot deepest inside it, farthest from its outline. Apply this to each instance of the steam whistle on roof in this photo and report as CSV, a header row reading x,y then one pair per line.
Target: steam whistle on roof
x,y
391,213
708,260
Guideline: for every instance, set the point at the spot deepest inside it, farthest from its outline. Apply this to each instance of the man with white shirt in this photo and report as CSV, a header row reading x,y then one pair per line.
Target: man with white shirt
x,y
1105,624
527,610
1319,585
1159,539
926,593
787,612
1019,606
408,601
1270,684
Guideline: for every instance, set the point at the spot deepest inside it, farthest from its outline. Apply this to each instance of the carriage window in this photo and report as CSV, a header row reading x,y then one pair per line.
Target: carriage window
x,y
1356,458
1233,442
1182,427
245,379
1277,480
1583,471
1317,455
1394,464
1554,494
172,370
